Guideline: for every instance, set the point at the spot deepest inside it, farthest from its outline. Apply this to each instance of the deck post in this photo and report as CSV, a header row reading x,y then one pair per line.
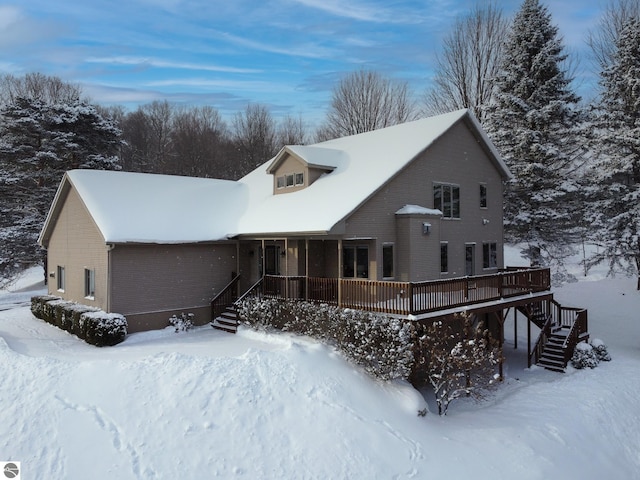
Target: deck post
x,y
515,328
306,269
339,272
528,343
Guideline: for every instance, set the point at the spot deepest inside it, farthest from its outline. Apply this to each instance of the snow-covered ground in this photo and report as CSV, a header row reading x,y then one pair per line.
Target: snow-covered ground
x,y
205,404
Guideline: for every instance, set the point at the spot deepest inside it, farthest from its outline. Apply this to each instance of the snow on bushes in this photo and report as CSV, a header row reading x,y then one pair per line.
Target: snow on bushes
x,y
182,322
380,344
590,354
88,323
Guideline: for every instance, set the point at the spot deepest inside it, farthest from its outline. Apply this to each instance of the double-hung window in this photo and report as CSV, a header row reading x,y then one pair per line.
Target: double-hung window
x,y
444,257
89,283
387,261
61,278
490,255
446,198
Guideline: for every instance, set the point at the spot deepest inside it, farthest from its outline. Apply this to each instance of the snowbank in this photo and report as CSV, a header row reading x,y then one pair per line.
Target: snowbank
x,y
205,404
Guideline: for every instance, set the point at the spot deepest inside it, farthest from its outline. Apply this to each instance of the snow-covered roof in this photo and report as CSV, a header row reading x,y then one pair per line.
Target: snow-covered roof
x,y
362,164
146,208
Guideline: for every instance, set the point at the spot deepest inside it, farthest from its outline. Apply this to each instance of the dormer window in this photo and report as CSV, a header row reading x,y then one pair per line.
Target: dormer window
x,y
290,180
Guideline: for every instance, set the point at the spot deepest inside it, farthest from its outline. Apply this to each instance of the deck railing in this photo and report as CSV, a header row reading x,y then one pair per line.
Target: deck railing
x,y
408,298
227,296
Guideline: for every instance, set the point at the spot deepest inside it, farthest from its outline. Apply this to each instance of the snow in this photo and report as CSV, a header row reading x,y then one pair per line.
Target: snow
x,y
380,153
417,210
205,404
149,208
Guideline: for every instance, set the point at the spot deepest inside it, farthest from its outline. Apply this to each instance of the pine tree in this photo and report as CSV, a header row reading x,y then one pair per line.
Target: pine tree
x,y
615,215
38,143
533,121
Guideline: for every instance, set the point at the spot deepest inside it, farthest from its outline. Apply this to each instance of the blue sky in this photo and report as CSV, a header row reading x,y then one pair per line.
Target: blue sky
x,y
286,54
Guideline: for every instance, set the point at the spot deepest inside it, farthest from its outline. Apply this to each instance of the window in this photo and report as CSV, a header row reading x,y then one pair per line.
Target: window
x,y
355,262
446,198
483,195
290,180
387,261
444,257
89,283
490,255
61,278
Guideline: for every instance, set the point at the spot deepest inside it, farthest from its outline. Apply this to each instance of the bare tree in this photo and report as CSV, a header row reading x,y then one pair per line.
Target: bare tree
x,y
604,38
291,131
254,133
198,141
37,86
159,116
469,63
365,101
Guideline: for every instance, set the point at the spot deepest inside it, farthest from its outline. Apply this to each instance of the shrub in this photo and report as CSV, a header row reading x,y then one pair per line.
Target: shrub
x,y
584,356
182,323
37,305
379,343
88,323
601,350
104,329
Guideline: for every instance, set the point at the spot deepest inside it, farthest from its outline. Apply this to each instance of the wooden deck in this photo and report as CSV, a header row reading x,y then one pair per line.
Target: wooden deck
x,y
408,298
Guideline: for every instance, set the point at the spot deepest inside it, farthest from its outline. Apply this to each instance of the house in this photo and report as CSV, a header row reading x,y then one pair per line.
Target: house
x,y
411,203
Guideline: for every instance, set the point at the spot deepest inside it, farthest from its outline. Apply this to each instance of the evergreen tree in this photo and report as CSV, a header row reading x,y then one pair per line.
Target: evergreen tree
x,y
615,215
38,143
533,121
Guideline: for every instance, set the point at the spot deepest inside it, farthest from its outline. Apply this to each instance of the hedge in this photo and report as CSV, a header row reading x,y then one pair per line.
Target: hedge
x,y
88,323
381,344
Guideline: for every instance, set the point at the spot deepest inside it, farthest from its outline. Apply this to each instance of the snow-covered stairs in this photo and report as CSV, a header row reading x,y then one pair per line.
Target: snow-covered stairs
x,y
227,321
553,355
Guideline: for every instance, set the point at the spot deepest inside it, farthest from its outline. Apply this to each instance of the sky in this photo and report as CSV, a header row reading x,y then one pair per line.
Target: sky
x,y
285,54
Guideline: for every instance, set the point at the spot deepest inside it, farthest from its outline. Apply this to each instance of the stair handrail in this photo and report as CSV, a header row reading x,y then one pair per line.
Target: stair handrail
x,y
578,328
545,333
256,286
226,297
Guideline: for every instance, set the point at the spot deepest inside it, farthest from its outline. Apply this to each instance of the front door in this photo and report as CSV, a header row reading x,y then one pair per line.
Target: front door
x,y
272,260
470,259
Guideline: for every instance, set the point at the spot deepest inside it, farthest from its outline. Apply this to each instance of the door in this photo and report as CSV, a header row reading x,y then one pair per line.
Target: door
x,y
470,259
272,260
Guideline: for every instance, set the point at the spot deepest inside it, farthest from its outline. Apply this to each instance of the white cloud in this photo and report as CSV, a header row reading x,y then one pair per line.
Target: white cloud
x,y
153,62
361,12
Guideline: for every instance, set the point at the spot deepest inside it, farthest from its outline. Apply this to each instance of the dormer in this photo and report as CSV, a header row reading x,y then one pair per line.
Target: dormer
x,y
296,167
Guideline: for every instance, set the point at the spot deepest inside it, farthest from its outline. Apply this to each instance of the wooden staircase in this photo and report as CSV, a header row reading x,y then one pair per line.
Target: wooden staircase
x,y
555,351
227,321
561,328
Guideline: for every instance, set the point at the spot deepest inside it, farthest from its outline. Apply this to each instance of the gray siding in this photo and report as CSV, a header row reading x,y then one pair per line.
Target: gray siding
x,y
76,244
456,158
150,282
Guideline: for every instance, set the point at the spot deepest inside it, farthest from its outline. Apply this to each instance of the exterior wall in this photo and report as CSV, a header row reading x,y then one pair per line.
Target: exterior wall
x,y
290,165
417,254
152,282
76,244
456,158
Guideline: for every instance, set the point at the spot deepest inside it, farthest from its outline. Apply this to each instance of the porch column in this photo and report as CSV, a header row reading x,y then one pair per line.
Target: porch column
x,y
262,256
340,272
286,266
306,268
